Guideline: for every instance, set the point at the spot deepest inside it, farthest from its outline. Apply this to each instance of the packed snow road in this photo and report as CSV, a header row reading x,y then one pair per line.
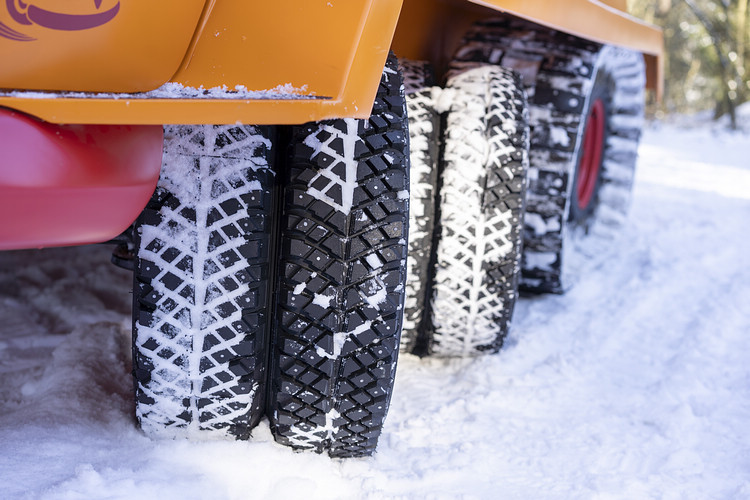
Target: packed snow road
x,y
634,384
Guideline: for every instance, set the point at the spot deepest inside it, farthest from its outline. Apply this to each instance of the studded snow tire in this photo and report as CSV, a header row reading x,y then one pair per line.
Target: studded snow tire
x,y
201,292
341,278
481,202
560,72
557,70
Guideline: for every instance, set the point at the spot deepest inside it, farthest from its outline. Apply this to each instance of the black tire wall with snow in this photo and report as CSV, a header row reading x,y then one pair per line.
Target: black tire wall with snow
x,y
424,142
559,71
341,278
201,289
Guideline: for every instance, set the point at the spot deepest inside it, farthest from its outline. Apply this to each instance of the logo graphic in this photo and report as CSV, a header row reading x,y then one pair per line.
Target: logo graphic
x,y
27,14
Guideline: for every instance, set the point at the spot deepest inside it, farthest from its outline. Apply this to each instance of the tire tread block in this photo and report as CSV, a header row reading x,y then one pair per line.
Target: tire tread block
x,y
343,233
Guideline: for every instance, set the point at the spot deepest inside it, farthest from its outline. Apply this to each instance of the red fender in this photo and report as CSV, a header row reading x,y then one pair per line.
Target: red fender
x,y
72,184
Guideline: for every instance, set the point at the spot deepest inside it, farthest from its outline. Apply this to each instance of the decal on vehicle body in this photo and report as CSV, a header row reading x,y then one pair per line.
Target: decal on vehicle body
x,y
29,14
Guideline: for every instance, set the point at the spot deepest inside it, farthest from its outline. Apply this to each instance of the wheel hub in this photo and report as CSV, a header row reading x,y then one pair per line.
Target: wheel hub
x,y
591,158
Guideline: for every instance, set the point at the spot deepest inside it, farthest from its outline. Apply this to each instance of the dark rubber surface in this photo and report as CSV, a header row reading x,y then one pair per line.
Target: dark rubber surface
x,y
341,278
424,142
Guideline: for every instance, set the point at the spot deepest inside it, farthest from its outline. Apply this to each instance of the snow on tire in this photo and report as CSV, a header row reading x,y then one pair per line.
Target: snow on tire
x,y
341,278
559,72
482,189
424,139
202,285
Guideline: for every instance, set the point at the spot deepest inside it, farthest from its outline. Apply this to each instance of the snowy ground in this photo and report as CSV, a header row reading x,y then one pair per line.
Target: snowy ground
x,y
635,384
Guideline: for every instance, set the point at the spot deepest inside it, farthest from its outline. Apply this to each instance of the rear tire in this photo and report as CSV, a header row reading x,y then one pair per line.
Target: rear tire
x,y
594,218
619,90
482,191
201,290
560,72
341,278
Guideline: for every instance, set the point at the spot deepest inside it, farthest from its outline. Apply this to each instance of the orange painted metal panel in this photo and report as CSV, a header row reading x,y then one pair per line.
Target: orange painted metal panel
x,y
306,44
617,4
432,29
330,51
333,49
589,19
94,45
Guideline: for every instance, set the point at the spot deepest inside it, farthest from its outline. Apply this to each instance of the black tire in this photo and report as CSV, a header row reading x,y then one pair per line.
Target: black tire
x,y
341,277
201,290
424,142
594,218
482,189
560,72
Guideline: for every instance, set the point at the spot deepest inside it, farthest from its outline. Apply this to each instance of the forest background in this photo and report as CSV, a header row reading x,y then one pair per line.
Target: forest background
x,y
707,51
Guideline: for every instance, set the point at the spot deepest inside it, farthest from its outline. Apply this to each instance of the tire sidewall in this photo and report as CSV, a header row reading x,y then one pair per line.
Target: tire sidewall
x,y
603,89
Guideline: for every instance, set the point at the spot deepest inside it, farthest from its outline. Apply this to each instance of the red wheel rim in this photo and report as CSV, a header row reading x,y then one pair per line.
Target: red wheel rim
x,y
591,159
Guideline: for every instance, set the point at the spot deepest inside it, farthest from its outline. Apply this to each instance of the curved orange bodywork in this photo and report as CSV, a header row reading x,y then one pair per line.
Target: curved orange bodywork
x,y
319,58
118,46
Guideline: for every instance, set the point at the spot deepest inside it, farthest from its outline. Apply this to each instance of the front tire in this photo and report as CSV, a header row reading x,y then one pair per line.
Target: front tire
x,y
341,278
201,291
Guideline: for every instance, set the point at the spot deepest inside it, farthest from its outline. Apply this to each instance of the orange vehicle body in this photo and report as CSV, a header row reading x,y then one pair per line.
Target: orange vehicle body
x,y
138,64
293,61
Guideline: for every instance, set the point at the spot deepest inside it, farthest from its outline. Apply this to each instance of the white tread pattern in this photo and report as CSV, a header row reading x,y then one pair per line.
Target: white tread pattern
x,y
199,339
486,137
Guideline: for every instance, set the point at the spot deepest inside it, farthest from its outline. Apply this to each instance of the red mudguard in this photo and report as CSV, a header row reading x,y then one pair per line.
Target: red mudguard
x,y
72,184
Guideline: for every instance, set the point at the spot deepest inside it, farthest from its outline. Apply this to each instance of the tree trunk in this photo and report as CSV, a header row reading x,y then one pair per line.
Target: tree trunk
x,y
723,61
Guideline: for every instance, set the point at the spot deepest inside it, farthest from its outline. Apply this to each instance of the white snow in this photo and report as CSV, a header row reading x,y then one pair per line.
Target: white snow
x,y
377,293
173,90
333,181
538,224
321,300
374,261
307,437
559,136
634,384
540,260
